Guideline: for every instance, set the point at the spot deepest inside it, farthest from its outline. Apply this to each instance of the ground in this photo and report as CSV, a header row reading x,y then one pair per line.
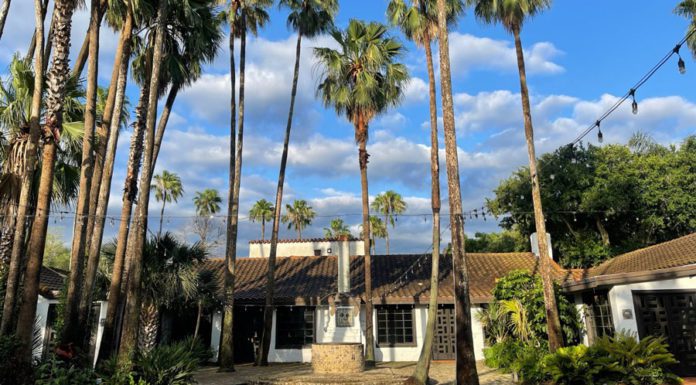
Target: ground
x,y
387,372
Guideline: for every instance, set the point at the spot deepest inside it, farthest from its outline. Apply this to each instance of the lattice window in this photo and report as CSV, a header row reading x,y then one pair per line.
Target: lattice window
x,y
599,314
395,326
294,327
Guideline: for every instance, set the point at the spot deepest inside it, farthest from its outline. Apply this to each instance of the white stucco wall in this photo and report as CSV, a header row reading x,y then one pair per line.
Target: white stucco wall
x,y
580,307
621,297
305,248
100,329
326,331
42,305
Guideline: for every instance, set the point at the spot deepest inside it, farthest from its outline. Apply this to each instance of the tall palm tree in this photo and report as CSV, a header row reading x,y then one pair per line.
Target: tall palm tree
x,y
466,362
390,204
298,215
57,79
168,188
242,16
512,15
207,204
262,211
418,22
362,80
308,18
377,230
337,229
687,8
4,9
72,330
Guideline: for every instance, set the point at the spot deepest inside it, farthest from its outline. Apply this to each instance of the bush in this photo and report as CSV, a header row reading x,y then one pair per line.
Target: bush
x,y
172,364
10,362
501,355
576,365
528,364
55,372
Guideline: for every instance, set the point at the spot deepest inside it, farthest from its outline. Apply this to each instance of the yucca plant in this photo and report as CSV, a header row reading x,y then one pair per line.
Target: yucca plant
x,y
172,364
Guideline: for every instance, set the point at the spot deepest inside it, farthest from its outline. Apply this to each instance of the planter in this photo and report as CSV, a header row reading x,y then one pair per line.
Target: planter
x,y
337,358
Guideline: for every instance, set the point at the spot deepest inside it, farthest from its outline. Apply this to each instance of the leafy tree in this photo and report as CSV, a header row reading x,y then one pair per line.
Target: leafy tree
x,y
362,79
687,8
298,215
337,229
603,201
56,255
168,188
503,242
390,204
207,204
377,230
262,211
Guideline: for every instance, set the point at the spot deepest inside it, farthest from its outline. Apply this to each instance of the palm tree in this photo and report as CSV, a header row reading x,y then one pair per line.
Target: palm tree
x,y
242,16
377,230
262,211
361,80
4,9
687,8
56,80
337,229
390,204
418,22
168,188
512,14
308,18
169,277
466,362
298,215
207,204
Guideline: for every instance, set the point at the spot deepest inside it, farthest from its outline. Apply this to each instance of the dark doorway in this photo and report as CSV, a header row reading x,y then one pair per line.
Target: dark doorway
x,y
671,314
444,344
248,326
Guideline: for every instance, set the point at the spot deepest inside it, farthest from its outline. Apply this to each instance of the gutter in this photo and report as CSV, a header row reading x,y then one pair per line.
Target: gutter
x,y
632,277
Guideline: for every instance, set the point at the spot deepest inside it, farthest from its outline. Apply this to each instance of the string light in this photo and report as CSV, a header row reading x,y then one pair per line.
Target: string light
x,y
600,136
634,105
680,63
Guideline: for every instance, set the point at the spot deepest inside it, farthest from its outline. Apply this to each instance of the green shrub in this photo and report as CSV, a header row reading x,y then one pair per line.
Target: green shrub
x,y
172,364
202,353
576,365
643,362
10,362
55,372
502,355
529,364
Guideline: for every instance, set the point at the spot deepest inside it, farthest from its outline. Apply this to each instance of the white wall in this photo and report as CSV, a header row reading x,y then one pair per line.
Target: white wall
x,y
621,297
477,331
304,248
215,333
42,305
100,329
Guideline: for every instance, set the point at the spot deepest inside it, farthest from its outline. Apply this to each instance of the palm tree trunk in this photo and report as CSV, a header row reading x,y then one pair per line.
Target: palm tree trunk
x,y
466,362
198,323
159,232
149,327
138,235
32,44
386,232
164,119
227,338
130,191
553,323
270,277
363,160
423,366
84,49
102,200
57,79
72,331
21,224
263,229
4,9
49,41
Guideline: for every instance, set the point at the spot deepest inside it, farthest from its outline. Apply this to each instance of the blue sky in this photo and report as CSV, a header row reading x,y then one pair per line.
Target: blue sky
x,y
580,57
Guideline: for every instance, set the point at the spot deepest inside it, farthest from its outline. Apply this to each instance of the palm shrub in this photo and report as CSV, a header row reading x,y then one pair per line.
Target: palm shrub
x,y
172,364
573,365
528,364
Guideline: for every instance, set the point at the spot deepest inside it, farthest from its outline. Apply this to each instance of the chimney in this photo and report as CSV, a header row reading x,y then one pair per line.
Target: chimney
x,y
343,252
535,244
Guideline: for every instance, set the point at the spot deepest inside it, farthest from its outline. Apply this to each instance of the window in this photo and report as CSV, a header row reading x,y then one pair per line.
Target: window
x,y
317,252
294,327
395,326
600,322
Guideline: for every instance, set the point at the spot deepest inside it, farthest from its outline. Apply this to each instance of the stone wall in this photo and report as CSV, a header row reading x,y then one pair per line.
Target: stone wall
x,y
343,358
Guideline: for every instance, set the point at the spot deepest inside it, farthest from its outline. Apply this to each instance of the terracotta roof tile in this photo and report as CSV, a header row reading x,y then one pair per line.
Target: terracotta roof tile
x,y
674,253
311,279
306,240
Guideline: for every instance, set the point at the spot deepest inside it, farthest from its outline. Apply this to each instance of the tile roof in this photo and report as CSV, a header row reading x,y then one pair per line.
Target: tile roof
x,y
306,240
51,281
313,279
674,253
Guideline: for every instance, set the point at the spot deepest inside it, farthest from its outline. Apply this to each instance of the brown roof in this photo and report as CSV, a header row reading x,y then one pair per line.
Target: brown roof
x,y
672,259
396,278
51,281
307,240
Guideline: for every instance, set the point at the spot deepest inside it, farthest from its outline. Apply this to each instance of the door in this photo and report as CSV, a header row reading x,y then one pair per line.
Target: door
x,y
248,326
443,346
673,315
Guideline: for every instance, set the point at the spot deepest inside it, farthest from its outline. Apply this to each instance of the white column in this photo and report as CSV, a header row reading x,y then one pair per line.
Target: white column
x,y
215,334
100,330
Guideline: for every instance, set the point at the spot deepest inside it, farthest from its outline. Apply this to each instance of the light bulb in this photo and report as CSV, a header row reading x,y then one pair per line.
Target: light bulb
x,y
681,65
600,136
634,107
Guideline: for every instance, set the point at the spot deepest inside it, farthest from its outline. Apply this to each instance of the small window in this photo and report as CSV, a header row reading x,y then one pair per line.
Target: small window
x,y
395,326
317,252
600,322
294,327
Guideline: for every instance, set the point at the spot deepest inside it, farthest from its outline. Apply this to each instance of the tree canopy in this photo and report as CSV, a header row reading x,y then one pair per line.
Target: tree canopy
x,y
603,201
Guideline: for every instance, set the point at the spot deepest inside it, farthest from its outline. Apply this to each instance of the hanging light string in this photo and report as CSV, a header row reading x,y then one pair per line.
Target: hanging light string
x,y
681,66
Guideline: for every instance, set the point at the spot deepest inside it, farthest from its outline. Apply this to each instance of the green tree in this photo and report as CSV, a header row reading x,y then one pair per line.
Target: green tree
x,y
337,229
512,15
298,215
377,230
242,16
308,18
262,211
390,204
687,8
503,242
207,204
56,255
168,188
362,79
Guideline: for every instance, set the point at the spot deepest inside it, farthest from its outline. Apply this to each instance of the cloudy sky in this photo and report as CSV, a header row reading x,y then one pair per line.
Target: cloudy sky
x,y
581,56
